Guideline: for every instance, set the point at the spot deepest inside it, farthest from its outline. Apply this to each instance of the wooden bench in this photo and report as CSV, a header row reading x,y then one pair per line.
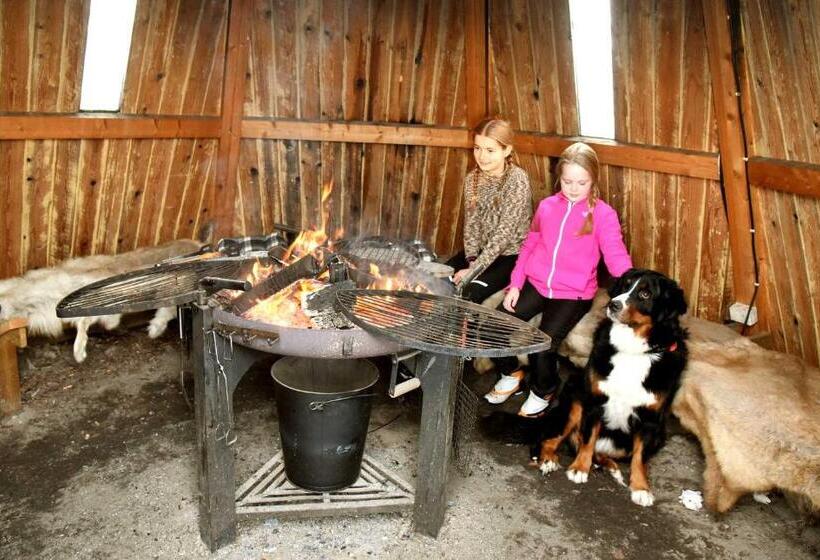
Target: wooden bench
x,y
12,337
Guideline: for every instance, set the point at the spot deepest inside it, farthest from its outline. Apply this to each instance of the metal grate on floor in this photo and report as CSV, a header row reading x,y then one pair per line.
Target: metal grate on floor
x,y
269,492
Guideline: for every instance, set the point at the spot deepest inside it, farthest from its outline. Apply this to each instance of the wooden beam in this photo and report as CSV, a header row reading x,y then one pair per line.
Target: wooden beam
x,y
732,146
222,205
788,176
366,133
674,161
476,74
96,126
12,337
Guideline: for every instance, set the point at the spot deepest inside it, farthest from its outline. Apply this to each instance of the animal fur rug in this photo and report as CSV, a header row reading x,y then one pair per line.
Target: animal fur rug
x,y
755,412
35,295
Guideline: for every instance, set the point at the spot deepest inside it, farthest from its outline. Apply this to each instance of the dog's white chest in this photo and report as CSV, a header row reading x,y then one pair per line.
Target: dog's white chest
x,y
624,386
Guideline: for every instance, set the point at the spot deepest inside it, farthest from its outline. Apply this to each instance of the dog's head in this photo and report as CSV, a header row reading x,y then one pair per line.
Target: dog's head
x,y
644,298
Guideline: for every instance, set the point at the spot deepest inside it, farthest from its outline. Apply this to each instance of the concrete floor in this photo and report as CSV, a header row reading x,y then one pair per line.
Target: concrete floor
x,y
101,464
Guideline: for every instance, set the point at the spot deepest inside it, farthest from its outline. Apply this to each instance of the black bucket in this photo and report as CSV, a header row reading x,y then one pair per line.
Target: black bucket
x,y
324,411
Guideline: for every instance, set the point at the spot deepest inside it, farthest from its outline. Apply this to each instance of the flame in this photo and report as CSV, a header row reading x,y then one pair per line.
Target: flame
x,y
259,272
310,240
285,306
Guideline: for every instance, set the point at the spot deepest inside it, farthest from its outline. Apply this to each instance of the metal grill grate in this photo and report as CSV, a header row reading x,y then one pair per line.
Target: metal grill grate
x,y
440,324
268,491
166,284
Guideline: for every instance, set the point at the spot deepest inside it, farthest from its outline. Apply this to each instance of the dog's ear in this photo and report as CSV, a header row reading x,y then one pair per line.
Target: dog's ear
x,y
623,282
674,304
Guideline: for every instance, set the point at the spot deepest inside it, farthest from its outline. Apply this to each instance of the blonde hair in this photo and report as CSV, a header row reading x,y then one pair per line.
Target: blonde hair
x,y
500,131
585,157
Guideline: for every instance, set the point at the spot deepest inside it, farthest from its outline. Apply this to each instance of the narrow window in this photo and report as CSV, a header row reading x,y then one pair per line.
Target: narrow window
x,y
592,59
107,45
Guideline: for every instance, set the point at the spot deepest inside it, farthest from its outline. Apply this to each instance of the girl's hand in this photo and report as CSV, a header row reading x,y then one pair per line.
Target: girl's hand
x,y
511,299
459,276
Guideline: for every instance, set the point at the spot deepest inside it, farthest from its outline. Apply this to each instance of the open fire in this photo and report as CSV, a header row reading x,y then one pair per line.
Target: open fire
x,y
287,306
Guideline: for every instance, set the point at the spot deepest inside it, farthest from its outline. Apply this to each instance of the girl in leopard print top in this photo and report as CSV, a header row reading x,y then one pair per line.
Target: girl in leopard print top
x,y
497,211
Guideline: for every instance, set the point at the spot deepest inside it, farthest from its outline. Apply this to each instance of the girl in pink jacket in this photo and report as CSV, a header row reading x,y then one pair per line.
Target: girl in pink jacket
x,y
555,273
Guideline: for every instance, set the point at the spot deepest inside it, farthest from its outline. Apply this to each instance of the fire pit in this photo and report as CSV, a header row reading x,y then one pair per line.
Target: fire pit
x,y
317,302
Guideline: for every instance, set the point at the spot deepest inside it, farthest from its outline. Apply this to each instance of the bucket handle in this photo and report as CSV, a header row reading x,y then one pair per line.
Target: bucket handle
x,y
320,405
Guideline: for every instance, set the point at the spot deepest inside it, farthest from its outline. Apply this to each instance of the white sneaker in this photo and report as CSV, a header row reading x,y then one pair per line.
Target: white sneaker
x,y
506,386
534,405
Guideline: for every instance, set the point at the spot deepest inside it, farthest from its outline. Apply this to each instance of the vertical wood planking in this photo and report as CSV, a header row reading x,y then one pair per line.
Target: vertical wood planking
x,y
475,52
781,41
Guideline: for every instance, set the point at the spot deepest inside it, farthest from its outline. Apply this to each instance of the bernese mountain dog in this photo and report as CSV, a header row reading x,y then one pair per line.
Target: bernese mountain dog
x,y
616,407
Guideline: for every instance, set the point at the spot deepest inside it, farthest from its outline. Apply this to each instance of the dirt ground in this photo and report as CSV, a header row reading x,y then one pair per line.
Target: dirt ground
x,y
101,464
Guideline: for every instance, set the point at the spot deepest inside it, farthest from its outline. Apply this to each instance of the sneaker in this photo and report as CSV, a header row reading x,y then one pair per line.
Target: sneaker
x,y
506,386
534,406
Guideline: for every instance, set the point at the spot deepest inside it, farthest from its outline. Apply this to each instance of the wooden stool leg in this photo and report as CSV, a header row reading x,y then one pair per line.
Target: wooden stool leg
x,y
12,337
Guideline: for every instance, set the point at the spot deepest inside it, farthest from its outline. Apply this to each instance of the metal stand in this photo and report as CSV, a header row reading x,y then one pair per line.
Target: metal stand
x,y
218,367
437,410
269,492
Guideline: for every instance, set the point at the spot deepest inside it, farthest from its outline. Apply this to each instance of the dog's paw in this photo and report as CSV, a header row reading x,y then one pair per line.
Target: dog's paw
x,y
548,467
578,477
643,498
616,474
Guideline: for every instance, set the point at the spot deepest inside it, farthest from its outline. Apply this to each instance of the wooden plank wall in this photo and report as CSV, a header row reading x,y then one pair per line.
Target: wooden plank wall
x,y
397,61
63,198
781,90
532,78
663,97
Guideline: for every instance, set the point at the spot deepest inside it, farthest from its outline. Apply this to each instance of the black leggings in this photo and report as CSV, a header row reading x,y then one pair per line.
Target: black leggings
x,y
558,317
496,277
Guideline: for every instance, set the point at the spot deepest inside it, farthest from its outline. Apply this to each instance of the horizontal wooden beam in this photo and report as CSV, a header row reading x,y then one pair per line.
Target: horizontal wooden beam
x,y
90,126
81,126
368,133
788,176
674,161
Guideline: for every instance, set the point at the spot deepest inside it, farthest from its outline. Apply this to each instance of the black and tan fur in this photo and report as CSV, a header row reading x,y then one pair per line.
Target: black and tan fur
x,y
616,407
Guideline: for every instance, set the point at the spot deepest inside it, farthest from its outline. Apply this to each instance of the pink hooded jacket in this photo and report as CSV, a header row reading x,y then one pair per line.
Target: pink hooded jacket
x,y
561,264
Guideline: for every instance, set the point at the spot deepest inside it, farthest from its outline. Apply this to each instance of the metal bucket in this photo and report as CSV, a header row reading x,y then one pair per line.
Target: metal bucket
x,y
324,410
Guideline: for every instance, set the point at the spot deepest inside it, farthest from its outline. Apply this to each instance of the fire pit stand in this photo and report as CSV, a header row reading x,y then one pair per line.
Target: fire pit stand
x,y
219,363
221,346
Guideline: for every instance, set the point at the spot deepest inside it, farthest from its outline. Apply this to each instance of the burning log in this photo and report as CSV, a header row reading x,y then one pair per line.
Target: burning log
x,y
323,300
306,267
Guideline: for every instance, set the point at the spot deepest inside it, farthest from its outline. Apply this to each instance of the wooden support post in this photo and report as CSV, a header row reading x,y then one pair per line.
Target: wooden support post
x,y
217,509
222,205
12,337
476,73
435,441
732,146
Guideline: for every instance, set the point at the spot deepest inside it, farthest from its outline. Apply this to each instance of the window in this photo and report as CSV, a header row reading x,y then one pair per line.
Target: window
x,y
108,43
592,58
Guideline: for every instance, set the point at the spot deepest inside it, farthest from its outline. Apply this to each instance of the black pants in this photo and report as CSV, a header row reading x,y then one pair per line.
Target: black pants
x,y
495,277
558,317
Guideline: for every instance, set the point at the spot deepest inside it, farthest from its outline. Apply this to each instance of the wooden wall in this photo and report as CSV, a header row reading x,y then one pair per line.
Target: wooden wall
x,y
781,87
532,82
663,96
396,61
63,198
